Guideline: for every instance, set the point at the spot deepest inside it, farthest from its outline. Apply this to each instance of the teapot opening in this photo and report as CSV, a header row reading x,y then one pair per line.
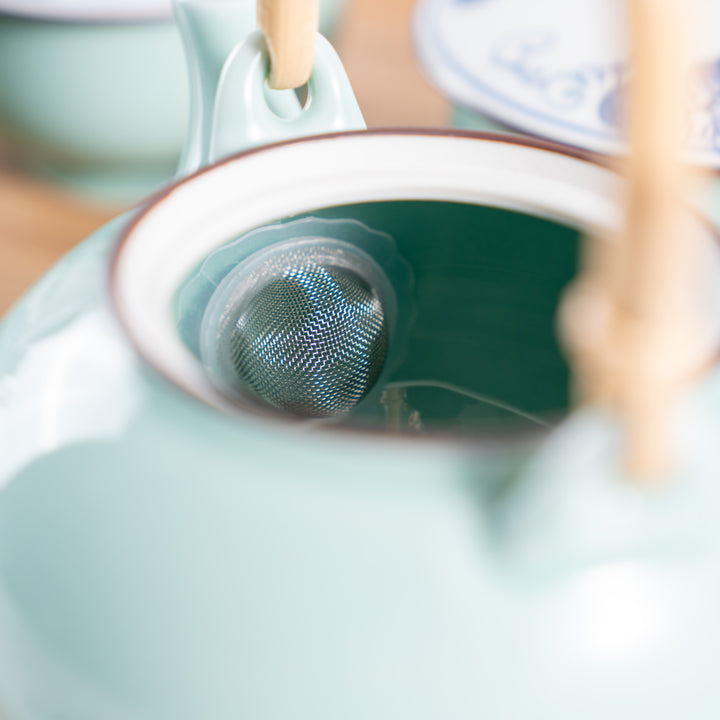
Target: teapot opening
x,y
471,303
483,232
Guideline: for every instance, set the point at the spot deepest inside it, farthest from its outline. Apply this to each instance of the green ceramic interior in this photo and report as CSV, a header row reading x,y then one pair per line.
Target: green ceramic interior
x,y
486,287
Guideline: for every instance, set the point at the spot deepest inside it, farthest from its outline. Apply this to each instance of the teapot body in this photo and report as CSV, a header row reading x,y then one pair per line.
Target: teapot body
x,y
161,560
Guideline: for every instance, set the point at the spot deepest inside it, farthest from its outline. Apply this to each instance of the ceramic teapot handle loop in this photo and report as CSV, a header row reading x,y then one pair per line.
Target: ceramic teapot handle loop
x,y
246,114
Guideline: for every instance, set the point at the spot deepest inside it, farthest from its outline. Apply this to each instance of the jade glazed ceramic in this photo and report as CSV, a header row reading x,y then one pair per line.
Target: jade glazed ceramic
x,y
169,550
95,95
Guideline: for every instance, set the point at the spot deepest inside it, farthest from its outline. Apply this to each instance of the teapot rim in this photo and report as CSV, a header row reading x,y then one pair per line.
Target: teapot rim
x,y
220,402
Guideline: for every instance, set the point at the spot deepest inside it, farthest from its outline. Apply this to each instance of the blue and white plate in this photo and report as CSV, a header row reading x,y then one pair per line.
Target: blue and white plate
x,y
556,68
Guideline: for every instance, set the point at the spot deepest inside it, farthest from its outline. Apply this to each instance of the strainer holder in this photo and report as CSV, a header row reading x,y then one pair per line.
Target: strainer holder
x,y
306,316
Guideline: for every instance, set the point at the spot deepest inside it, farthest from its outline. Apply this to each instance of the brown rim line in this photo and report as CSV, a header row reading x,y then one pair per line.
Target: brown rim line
x,y
274,417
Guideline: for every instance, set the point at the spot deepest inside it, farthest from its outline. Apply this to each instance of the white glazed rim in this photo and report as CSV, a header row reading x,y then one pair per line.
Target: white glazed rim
x,y
88,11
171,235
184,224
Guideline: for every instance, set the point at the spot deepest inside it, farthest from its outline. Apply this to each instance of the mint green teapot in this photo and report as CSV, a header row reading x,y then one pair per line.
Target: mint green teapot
x,y
177,542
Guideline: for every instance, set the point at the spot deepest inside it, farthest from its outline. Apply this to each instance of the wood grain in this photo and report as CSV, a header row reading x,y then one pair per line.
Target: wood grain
x,y
39,223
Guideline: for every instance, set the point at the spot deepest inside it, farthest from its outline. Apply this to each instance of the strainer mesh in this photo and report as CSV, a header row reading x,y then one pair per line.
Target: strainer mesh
x,y
312,341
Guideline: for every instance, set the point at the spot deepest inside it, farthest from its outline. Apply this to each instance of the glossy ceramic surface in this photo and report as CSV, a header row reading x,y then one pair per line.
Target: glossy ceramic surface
x,y
167,555
554,69
161,531
160,558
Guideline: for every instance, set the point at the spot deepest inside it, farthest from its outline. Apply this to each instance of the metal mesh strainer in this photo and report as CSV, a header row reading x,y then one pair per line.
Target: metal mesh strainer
x,y
303,327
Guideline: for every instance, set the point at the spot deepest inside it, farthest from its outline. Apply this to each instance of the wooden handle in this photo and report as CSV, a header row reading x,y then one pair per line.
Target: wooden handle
x,y
289,27
658,310
632,321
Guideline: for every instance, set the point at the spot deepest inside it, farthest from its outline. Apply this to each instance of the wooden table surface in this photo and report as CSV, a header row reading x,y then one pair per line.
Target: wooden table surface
x,y
39,223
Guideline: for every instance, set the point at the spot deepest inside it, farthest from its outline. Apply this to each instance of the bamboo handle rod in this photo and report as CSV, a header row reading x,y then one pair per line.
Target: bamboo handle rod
x,y
632,321
289,27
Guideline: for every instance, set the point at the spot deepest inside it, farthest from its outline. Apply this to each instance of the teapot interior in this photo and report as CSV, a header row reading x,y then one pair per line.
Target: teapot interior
x,y
477,350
